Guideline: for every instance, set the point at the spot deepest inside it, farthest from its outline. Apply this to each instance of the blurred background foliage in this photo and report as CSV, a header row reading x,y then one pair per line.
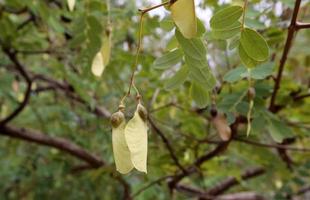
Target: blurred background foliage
x,y
54,43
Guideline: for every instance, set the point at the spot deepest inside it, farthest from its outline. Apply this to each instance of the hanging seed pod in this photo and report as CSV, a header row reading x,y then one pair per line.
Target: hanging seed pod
x,y
71,4
97,66
102,58
221,125
184,16
120,149
136,138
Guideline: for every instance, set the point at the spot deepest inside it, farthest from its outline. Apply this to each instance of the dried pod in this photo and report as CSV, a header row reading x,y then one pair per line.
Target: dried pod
x,y
221,125
251,93
184,16
136,138
120,149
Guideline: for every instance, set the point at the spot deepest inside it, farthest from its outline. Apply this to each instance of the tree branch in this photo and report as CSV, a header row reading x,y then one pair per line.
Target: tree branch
x,y
232,181
21,69
202,195
289,39
58,143
167,144
277,146
300,25
69,91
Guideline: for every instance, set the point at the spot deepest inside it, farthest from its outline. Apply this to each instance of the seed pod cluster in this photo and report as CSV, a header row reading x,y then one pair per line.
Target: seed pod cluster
x,y
130,141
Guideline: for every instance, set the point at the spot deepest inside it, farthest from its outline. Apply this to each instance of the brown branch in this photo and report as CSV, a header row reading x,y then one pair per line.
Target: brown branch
x,y
69,91
277,146
202,195
56,142
21,69
157,181
289,39
192,169
232,181
300,25
167,144
300,97
208,156
272,107
241,196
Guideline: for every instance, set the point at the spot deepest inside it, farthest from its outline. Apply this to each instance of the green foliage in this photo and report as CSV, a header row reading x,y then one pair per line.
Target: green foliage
x,y
254,45
180,81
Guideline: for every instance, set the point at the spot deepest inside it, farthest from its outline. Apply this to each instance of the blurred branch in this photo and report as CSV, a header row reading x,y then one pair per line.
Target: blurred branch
x,y
202,195
300,25
232,181
167,144
272,107
277,146
157,181
291,31
58,143
192,169
298,98
221,147
241,196
69,91
21,69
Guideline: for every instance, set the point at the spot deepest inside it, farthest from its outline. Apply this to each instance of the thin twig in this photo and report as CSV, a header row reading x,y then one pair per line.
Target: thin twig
x,y
289,39
168,145
21,69
58,143
150,185
277,146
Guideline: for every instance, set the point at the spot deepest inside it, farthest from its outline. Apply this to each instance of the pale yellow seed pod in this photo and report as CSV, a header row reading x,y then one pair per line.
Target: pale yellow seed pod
x,y
120,149
71,4
136,138
221,125
97,66
184,16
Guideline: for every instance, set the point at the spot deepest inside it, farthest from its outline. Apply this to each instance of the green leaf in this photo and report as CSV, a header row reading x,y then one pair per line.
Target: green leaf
x,y
168,60
226,17
254,45
200,95
227,32
167,24
193,48
277,129
201,29
200,72
234,74
178,79
262,71
245,59
234,43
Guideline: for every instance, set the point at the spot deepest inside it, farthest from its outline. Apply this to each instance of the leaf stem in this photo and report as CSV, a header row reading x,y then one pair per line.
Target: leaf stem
x,y
143,11
251,104
244,11
140,36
